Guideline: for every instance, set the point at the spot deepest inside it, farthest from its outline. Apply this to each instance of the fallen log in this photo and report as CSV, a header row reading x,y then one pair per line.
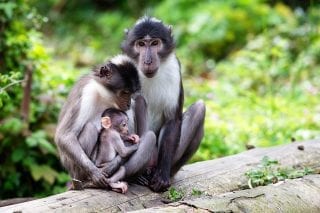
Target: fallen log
x,y
212,177
297,195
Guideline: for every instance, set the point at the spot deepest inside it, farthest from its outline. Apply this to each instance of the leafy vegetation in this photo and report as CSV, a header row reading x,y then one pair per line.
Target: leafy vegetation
x,y
175,194
270,171
29,163
255,63
196,192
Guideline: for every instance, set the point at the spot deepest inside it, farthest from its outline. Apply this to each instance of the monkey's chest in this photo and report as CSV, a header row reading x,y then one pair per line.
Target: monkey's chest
x,y
161,107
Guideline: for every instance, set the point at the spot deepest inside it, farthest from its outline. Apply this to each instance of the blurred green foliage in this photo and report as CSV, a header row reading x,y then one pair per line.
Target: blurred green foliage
x,y
255,63
29,163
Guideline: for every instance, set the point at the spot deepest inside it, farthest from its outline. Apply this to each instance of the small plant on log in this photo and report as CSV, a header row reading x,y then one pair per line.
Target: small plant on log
x,y
196,192
175,194
270,171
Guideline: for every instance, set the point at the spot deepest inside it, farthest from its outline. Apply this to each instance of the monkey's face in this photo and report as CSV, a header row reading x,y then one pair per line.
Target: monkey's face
x,y
124,129
120,124
148,50
123,99
149,43
120,77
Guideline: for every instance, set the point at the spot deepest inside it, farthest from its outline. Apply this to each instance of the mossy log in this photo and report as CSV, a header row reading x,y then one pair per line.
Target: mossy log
x,y
220,182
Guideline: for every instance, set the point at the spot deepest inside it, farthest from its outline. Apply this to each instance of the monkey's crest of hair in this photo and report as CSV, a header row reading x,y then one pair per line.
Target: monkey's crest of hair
x,y
112,112
152,27
145,18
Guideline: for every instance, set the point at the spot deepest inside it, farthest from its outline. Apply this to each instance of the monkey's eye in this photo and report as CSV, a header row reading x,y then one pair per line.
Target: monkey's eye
x,y
141,43
155,43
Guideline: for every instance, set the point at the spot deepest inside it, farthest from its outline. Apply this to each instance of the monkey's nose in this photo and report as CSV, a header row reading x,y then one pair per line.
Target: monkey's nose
x,y
147,60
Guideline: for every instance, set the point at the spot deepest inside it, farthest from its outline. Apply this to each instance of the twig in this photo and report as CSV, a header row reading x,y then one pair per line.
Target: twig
x,y
11,84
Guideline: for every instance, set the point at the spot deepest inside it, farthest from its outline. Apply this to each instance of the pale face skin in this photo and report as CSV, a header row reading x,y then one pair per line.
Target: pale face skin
x,y
148,49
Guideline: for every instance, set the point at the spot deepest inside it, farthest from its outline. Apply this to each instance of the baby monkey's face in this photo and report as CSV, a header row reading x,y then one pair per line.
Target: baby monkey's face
x,y
120,124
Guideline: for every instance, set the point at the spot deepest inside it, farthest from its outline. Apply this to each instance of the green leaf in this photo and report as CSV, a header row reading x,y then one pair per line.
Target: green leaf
x,y
196,192
47,146
45,172
31,141
38,138
12,125
18,155
266,161
8,8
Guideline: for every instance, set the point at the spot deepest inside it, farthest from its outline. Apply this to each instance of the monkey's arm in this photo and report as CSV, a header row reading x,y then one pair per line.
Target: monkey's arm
x,y
70,146
120,148
111,167
141,115
131,139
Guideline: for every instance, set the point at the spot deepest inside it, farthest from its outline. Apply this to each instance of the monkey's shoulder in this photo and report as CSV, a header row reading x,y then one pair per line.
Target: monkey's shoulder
x,y
109,135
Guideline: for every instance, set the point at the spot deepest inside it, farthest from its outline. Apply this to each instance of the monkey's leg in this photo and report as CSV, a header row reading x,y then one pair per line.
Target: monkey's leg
x,y
111,167
192,131
114,181
118,175
168,143
140,159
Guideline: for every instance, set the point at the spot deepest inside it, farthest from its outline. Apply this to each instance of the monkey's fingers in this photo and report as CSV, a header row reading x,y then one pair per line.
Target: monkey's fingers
x,y
159,182
104,182
136,138
105,174
77,184
142,180
120,187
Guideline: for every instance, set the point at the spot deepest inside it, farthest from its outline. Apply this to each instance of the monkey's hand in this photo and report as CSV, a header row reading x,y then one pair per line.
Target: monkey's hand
x,y
120,186
99,178
134,138
160,182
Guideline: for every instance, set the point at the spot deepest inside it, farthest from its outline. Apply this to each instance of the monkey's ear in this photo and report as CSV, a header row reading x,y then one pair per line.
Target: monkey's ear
x,y
106,71
106,122
170,29
126,31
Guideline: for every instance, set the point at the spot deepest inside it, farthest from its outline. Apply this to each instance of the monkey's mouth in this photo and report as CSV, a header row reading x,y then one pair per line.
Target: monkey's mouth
x,y
150,73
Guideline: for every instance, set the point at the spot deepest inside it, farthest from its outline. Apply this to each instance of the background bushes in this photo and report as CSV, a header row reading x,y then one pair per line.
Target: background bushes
x,y
255,63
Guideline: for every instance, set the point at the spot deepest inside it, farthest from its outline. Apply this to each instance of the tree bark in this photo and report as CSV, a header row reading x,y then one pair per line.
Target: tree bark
x,y
297,195
214,178
25,104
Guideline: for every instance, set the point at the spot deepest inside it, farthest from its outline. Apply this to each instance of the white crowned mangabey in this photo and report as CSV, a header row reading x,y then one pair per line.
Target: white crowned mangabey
x,y
109,85
150,45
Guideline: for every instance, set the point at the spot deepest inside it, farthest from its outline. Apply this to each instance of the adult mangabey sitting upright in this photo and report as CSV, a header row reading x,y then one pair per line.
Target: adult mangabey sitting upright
x,y
151,46
109,85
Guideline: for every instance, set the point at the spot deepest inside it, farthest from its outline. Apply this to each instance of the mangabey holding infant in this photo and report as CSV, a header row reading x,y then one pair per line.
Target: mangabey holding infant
x,y
110,85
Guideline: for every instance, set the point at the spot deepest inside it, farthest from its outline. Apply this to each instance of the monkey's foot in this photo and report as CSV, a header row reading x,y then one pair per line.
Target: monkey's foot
x,y
145,178
76,185
120,187
159,182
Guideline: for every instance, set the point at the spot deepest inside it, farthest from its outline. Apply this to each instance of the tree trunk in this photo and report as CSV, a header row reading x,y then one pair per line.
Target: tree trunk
x,y
298,195
25,104
219,181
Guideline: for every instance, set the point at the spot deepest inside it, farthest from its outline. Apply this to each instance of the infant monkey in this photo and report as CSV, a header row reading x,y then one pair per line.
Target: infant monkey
x,y
111,146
